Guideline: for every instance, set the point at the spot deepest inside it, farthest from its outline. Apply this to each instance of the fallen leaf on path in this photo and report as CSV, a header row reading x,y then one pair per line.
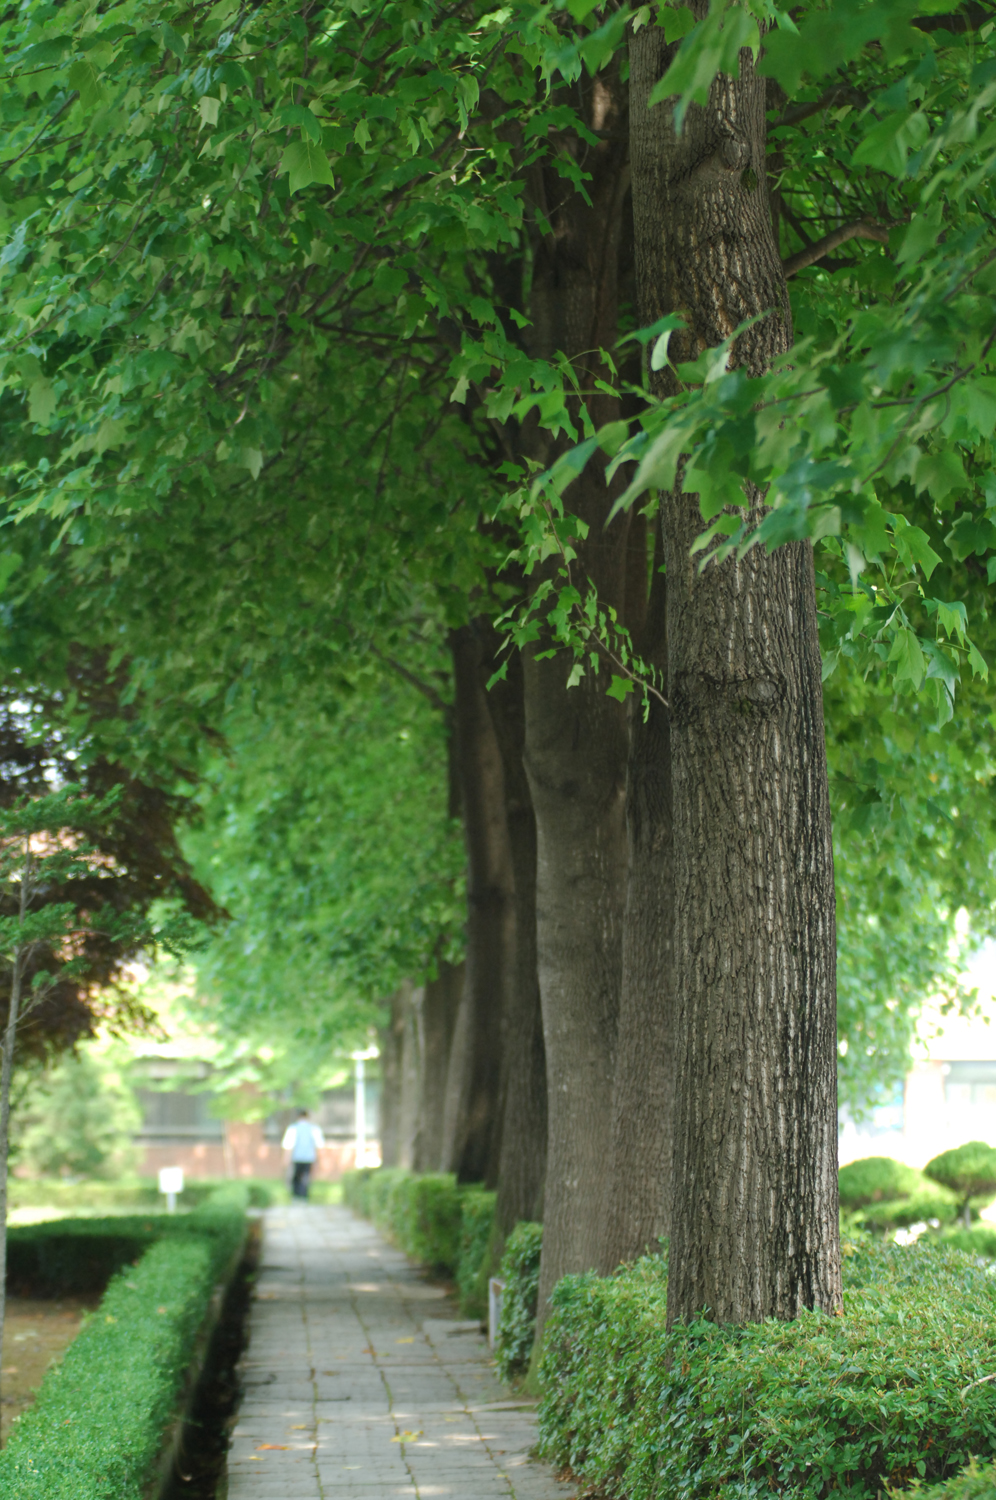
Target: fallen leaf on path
x,y
406,1437
282,1447
404,1341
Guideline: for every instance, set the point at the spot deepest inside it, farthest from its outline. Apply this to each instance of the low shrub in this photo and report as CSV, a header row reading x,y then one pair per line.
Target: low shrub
x,y
517,1324
893,1390
477,1222
974,1482
420,1212
96,1430
979,1240
431,1218
882,1195
426,1211
969,1172
875,1179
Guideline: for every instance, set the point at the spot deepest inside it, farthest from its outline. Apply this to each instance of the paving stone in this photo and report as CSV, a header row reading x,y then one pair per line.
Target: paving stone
x,y
362,1384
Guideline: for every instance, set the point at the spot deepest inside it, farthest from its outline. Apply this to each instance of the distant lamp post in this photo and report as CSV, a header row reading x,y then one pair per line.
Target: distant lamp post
x,y
360,1101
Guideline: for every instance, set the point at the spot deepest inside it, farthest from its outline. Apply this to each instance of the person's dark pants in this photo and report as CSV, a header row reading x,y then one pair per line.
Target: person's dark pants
x,y
302,1175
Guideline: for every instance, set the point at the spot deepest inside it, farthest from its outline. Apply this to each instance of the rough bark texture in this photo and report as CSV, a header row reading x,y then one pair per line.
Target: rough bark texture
x,y
472,1135
576,739
440,1002
643,1095
401,1075
522,1165
754,1232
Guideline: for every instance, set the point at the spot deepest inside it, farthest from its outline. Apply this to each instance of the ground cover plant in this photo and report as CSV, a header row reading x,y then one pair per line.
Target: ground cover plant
x,y
97,1427
893,1390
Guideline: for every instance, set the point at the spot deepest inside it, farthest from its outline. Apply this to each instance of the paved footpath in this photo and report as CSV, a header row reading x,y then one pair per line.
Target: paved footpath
x,y
359,1380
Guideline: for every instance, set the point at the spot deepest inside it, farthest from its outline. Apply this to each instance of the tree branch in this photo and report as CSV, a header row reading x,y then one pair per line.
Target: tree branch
x,y
860,229
426,689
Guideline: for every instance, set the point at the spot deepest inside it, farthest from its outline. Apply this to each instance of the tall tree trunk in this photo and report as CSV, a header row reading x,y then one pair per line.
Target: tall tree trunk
x,y
391,1041
576,738
643,1094
440,1003
754,1231
472,1140
522,1164
411,1072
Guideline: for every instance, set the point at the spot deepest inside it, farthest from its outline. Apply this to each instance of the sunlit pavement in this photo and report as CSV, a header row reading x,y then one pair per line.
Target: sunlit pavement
x,y
360,1381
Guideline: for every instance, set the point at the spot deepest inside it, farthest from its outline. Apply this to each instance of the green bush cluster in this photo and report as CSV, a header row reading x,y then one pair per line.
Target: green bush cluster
x,y
882,1195
96,1430
517,1324
477,1222
975,1482
893,1390
432,1219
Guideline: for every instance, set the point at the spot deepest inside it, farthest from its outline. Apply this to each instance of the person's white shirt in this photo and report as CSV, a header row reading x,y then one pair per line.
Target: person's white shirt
x,y
303,1140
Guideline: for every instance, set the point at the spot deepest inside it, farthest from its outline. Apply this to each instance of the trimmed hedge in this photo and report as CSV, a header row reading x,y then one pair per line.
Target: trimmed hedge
x,y
431,1218
519,1270
880,1194
893,1390
477,1222
97,1428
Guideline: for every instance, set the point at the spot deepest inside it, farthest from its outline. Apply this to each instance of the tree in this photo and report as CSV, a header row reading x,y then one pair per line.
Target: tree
x,y
78,1119
266,319
59,914
969,1171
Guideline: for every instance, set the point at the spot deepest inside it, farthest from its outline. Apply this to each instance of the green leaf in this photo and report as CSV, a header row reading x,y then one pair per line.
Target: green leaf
x,y
9,564
620,688
173,40
890,141
711,47
208,109
306,163
907,657
296,114
42,402
85,79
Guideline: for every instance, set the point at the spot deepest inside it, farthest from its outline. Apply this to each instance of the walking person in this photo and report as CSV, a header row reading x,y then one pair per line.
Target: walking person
x,y
303,1140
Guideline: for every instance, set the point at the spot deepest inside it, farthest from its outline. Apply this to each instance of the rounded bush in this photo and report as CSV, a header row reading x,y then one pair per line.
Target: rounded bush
x,y
875,1179
969,1171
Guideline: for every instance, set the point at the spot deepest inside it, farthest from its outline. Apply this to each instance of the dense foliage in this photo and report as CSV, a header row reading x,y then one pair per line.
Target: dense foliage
x,y
894,1389
519,1270
81,1440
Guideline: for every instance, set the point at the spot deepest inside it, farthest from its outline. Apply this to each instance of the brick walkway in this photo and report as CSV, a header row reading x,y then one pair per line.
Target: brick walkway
x,y
359,1380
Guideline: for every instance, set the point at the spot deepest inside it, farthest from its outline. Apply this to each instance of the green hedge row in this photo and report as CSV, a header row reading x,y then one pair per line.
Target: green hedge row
x,y
435,1221
893,1391
97,1428
519,1270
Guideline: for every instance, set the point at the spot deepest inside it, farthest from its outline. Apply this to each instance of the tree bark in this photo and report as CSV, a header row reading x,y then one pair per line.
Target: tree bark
x,y
755,1230
522,1164
440,1003
576,738
401,1074
391,1041
639,1199
472,1139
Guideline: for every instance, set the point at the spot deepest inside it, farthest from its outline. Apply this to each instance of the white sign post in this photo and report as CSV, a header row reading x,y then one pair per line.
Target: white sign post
x,y
171,1183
